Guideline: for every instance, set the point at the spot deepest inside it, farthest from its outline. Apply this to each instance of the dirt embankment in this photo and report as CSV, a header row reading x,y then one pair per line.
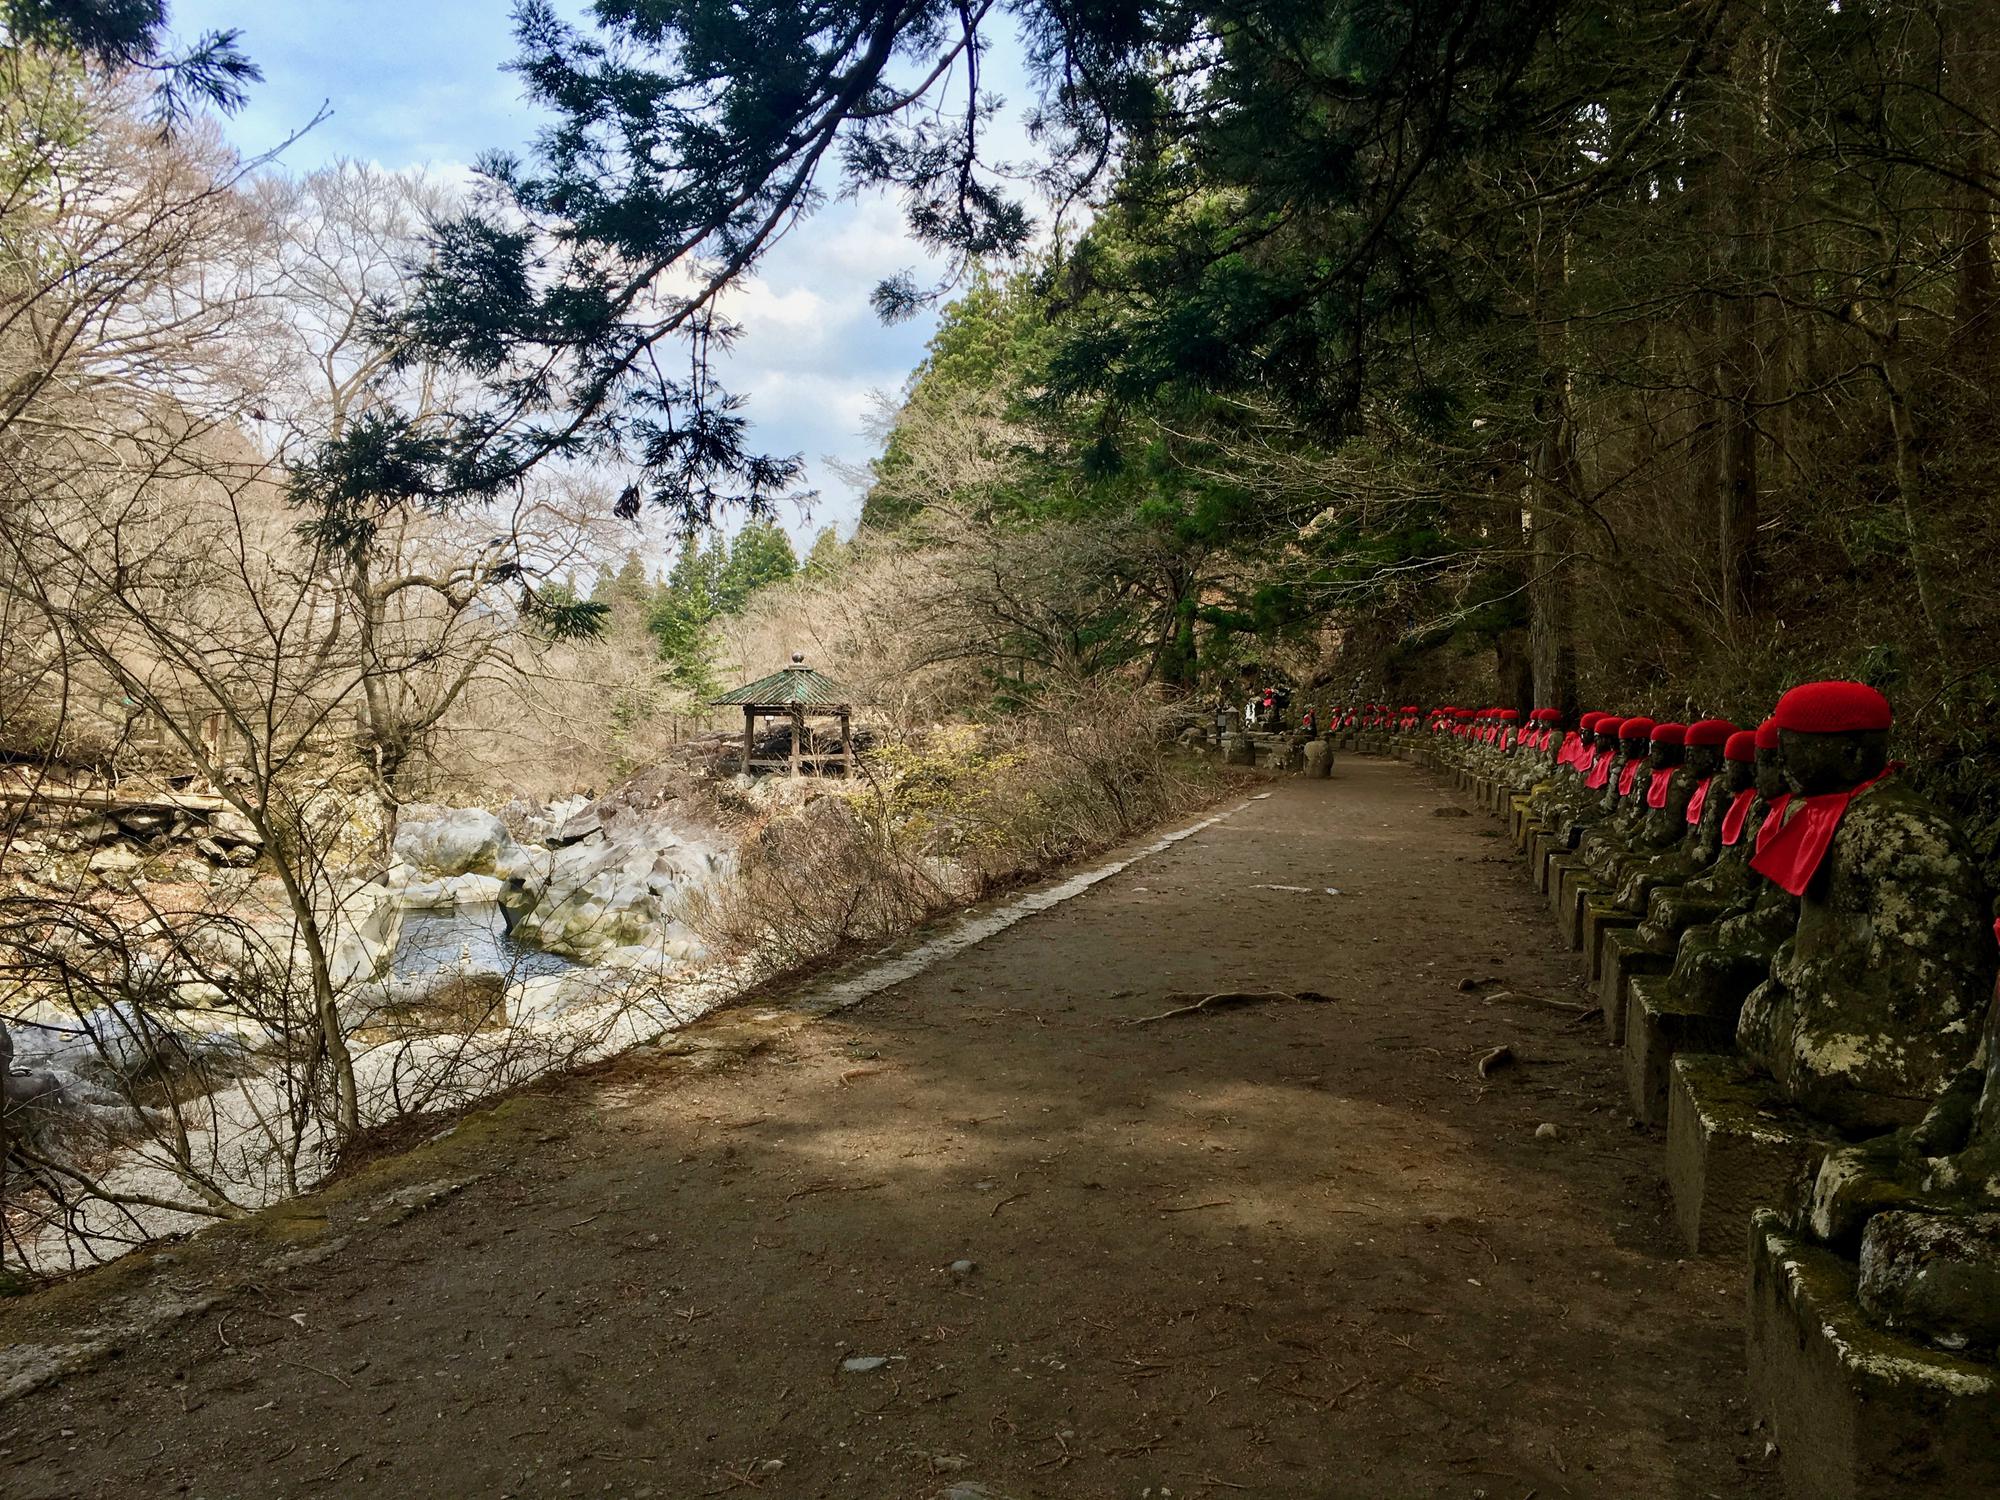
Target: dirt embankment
x,y
981,1230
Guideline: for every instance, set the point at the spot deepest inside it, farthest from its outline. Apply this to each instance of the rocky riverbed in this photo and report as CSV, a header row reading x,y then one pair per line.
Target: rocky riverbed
x,y
484,955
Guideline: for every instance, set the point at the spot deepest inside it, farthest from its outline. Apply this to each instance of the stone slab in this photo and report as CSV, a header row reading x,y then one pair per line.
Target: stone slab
x,y
1733,1146
1517,818
1626,955
1543,846
1660,1025
1602,916
1578,886
1856,1412
1561,867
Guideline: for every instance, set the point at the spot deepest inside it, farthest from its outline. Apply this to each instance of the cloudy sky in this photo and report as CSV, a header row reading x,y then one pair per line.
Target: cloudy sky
x,y
419,83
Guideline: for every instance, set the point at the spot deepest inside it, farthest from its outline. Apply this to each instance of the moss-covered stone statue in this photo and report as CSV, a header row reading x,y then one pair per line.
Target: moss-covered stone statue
x,y
1555,798
1597,798
1664,787
1625,808
1920,1208
1873,1004
1692,813
1535,758
1754,781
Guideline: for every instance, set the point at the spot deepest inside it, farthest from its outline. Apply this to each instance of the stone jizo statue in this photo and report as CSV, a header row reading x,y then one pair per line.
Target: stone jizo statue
x,y
1874,1002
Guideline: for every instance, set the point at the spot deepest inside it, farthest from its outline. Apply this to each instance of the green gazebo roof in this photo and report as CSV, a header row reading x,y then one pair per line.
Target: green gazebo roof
x,y
796,685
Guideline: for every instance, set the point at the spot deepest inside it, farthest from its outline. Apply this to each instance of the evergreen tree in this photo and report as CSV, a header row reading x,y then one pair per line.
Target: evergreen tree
x,y
129,36
630,588
683,609
826,555
761,554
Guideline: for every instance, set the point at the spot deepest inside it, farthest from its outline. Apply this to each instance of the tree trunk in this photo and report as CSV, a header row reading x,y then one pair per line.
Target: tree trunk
x,y
1969,83
1736,91
1551,501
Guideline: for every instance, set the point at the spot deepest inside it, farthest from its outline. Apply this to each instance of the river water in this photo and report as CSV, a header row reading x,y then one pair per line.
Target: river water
x,y
469,940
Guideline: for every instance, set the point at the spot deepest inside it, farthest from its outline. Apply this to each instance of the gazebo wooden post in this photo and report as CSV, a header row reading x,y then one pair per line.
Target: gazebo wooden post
x,y
798,734
749,736
846,744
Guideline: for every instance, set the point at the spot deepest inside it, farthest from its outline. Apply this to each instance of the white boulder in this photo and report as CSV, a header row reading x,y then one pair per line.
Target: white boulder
x,y
462,840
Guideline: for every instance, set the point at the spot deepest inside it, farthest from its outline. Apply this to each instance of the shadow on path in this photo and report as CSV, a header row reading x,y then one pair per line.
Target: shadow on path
x,y
1296,1249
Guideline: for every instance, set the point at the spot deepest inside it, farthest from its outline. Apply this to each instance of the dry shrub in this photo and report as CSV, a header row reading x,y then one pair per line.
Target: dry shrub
x,y
943,817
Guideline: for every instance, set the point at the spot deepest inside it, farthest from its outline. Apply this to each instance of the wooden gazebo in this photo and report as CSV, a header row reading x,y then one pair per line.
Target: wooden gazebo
x,y
795,693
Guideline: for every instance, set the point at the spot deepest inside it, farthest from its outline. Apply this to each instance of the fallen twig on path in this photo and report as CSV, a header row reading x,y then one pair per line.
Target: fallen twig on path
x,y
298,1364
833,1187
1509,997
1188,1208
327,1474
1010,1198
1225,999
1495,1060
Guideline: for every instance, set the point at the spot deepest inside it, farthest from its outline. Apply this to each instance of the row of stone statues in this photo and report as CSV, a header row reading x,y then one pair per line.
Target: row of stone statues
x,y
1797,951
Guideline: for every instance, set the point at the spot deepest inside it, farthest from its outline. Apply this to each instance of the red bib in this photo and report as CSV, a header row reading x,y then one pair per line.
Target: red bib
x,y
1600,770
1791,857
1656,789
1699,800
1737,816
1774,816
1629,775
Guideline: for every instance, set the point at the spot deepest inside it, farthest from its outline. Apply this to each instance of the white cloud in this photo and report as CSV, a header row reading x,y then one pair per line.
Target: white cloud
x,y
423,85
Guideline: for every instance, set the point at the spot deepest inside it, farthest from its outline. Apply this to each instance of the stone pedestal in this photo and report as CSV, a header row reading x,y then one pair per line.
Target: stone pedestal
x,y
1856,1412
1733,1146
1578,885
1517,818
1660,1025
1601,916
1318,760
1560,874
1544,844
1236,751
1627,955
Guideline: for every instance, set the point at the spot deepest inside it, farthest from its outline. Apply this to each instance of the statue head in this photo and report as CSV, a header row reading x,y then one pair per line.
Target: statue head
x,y
1819,763
1833,736
1706,739
1634,735
1739,758
1666,746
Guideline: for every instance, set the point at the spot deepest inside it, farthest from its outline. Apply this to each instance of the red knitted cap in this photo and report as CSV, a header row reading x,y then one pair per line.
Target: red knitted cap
x,y
1669,734
1741,745
1636,729
1507,715
1767,735
1588,723
1710,732
1832,708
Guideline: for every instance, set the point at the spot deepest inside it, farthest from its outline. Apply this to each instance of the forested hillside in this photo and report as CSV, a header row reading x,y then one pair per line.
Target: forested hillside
x,y
1562,349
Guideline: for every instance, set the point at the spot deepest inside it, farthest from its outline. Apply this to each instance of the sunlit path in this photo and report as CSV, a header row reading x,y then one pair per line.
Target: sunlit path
x,y
1288,1248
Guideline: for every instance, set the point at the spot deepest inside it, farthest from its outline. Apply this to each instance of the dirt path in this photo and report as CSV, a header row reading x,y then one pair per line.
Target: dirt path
x,y
1295,1249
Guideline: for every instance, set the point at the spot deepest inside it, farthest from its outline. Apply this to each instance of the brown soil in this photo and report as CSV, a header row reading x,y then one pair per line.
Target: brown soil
x,y
1274,1249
